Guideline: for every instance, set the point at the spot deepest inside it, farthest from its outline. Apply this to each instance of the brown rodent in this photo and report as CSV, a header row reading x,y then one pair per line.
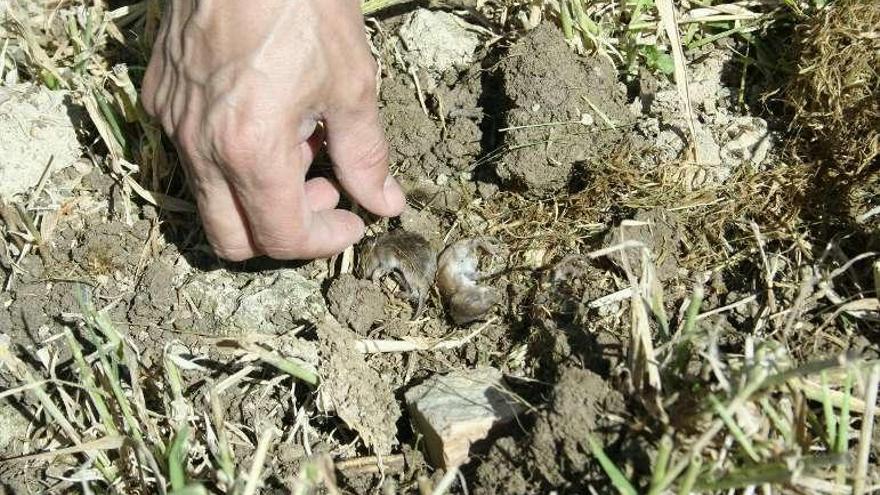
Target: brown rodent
x,y
457,276
407,257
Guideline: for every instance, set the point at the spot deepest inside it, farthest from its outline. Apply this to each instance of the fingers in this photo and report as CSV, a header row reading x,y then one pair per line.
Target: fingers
x,y
158,66
222,216
321,194
288,217
228,229
359,152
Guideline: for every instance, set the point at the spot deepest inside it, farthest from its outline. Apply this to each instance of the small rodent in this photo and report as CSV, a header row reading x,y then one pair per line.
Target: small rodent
x,y
457,276
407,257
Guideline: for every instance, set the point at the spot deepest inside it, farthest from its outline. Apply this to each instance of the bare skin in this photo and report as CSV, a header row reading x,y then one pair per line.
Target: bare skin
x,y
241,88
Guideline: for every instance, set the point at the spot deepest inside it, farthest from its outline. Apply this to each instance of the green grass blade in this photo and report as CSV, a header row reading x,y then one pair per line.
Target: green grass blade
x,y
88,378
842,442
690,477
778,421
112,120
734,428
191,490
623,485
661,465
565,19
690,319
291,366
828,412
775,474
177,459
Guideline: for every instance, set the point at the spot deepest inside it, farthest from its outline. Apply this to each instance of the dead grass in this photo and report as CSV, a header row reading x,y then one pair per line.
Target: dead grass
x,y
771,413
836,91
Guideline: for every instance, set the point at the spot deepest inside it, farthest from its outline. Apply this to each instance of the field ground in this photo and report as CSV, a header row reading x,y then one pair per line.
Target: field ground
x,y
687,293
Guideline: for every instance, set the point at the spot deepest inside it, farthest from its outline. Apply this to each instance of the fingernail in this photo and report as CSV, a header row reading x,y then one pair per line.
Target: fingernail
x,y
394,197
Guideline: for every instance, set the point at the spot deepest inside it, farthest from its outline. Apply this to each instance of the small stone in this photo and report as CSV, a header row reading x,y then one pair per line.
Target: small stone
x,y
438,41
456,411
13,428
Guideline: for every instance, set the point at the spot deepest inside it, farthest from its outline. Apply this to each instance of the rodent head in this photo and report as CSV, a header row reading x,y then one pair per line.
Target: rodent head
x,y
472,304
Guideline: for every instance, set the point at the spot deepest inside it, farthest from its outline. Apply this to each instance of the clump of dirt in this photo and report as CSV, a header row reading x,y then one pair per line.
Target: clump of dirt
x,y
430,98
581,405
836,88
725,140
154,295
221,302
13,428
355,302
567,329
411,133
355,391
437,41
566,112
556,453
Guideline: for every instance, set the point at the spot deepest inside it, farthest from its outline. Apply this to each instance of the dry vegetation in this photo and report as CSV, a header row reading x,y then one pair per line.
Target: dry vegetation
x,y
835,90
785,405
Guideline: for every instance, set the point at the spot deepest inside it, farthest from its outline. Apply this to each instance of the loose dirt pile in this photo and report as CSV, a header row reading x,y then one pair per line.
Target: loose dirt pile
x,y
565,113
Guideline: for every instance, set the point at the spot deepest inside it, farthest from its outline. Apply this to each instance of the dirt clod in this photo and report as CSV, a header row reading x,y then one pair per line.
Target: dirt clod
x,y
657,230
355,302
556,452
437,41
354,390
224,303
552,91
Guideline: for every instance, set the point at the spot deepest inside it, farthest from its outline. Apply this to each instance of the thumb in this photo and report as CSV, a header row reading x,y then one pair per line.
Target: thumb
x,y
357,146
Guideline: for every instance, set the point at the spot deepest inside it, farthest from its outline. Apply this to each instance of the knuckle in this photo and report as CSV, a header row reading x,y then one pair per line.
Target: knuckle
x,y
288,245
188,142
241,144
229,251
280,251
363,85
372,155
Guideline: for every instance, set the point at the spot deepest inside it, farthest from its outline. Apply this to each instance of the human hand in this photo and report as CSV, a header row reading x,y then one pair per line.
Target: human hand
x,y
241,87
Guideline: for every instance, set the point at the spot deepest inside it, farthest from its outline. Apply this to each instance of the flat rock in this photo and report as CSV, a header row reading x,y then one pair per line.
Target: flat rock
x,y
225,303
37,131
456,411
